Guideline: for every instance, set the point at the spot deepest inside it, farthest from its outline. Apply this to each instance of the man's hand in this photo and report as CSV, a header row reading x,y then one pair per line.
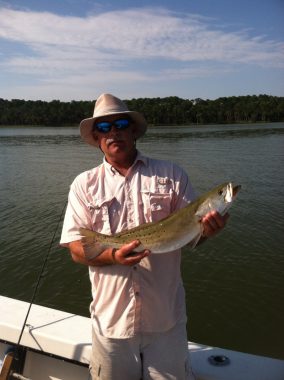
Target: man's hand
x,y
213,223
126,256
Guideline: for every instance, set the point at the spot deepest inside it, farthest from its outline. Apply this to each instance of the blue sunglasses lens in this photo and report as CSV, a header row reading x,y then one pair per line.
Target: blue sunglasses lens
x,y
105,126
122,123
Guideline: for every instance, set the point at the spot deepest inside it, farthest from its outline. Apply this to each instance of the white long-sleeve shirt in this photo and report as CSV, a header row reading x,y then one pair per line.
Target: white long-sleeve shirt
x,y
147,297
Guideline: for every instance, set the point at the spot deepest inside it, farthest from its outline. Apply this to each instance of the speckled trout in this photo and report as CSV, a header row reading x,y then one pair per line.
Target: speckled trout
x,y
173,232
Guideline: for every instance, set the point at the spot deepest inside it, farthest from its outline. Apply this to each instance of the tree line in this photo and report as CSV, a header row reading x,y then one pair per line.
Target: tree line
x,y
170,110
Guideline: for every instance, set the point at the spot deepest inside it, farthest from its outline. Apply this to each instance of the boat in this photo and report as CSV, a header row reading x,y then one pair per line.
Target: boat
x,y
41,343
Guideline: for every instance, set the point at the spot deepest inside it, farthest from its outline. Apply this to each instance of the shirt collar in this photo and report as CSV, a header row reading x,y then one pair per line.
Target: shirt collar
x,y
141,158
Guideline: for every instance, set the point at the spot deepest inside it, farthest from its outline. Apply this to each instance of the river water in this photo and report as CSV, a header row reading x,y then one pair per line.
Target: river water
x,y
234,282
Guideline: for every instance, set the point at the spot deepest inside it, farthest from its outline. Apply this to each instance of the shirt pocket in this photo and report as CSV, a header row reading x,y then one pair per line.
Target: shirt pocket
x,y
156,206
100,215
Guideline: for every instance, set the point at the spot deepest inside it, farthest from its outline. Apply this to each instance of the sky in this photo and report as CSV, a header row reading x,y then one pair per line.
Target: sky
x,y
78,49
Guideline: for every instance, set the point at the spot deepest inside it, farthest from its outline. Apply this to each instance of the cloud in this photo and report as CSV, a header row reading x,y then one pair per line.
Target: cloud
x,y
136,44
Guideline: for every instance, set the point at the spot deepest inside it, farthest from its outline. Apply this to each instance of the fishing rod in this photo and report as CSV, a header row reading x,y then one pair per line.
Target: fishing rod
x,y
16,352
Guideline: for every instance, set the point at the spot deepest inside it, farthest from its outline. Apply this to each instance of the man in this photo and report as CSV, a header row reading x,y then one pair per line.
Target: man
x,y
138,308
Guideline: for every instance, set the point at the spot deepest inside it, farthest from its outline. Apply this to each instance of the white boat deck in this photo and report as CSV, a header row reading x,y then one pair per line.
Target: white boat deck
x,y
49,330
69,336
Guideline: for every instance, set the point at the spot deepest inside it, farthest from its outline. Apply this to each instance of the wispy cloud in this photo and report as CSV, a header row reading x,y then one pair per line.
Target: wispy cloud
x,y
127,45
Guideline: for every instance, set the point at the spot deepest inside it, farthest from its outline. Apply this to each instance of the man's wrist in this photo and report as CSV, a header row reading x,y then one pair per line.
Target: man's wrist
x,y
113,255
106,257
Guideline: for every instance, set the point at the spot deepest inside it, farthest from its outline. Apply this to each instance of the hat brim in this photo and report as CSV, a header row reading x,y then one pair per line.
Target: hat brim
x,y
86,126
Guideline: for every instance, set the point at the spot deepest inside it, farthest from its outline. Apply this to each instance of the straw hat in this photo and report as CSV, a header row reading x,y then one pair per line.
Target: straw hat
x,y
107,105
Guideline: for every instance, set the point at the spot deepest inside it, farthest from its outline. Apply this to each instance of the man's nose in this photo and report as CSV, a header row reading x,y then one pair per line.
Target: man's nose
x,y
113,130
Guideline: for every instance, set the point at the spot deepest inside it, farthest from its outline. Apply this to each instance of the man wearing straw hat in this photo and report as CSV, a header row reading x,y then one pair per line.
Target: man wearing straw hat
x,y
138,308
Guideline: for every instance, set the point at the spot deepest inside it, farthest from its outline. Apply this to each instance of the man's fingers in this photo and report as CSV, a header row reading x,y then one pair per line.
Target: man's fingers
x,y
136,257
126,255
128,248
220,220
213,222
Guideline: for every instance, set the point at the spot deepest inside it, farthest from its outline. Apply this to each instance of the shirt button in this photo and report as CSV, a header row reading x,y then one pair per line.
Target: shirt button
x,y
137,293
135,268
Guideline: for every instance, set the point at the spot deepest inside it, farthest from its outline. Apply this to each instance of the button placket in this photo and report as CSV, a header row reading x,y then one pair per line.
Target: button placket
x,y
137,296
129,202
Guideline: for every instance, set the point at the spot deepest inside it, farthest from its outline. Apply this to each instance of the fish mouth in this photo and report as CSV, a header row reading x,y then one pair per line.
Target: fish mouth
x,y
231,192
236,189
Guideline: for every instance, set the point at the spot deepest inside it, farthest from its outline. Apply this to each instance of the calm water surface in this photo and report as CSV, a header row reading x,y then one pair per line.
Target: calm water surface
x,y
234,282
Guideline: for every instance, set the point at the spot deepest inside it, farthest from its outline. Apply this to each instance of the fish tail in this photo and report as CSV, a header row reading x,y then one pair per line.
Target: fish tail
x,y
92,247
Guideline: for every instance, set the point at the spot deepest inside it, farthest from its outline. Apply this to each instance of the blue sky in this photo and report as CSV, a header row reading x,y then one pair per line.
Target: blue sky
x,y
78,49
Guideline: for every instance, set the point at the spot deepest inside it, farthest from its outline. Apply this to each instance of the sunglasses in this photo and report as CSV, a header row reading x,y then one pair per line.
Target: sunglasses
x,y
105,126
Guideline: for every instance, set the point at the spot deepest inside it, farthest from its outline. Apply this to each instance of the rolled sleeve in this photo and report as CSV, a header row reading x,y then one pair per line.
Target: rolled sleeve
x,y
77,215
184,192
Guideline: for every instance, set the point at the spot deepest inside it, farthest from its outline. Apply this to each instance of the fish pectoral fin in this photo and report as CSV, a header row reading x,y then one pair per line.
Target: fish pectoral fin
x,y
195,241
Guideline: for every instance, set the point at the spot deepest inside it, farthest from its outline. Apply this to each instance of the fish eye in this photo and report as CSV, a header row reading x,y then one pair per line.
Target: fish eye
x,y
220,192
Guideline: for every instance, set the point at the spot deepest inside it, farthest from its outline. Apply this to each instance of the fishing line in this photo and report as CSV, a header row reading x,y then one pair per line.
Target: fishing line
x,y
40,275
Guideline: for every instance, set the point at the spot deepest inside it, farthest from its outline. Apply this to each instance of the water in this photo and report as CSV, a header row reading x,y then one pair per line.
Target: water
x,y
234,282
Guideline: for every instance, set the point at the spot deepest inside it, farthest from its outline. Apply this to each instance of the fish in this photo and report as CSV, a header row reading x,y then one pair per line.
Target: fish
x,y
182,227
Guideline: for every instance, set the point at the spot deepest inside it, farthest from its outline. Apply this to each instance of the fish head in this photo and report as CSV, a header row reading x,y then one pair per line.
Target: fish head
x,y
218,199
224,197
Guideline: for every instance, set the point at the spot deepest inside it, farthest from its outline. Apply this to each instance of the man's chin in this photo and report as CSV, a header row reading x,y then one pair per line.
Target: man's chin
x,y
116,147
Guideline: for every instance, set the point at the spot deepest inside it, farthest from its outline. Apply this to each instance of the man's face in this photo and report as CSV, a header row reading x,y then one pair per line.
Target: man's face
x,y
116,141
